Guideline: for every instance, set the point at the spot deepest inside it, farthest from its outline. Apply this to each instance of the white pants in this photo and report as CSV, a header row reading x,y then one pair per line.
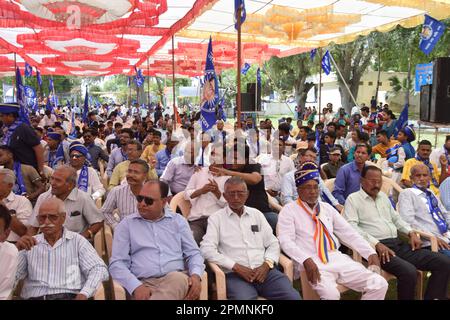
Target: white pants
x,y
341,269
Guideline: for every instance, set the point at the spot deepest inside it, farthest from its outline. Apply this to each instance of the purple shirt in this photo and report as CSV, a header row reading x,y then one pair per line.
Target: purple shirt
x,y
347,181
177,174
147,249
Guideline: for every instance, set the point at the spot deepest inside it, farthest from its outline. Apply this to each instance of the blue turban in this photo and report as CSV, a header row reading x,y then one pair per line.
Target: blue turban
x,y
6,108
54,136
307,171
410,133
77,146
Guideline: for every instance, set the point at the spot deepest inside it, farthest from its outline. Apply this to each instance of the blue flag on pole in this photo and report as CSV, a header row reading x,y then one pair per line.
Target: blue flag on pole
x,y
402,121
245,68
210,92
239,4
50,85
21,98
326,63
312,54
139,79
258,78
38,78
28,70
49,105
317,143
432,31
86,106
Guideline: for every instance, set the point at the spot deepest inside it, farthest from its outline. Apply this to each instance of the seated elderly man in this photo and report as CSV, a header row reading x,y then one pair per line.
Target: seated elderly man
x,y
240,240
19,206
87,177
8,255
152,249
309,232
370,212
82,214
61,265
123,197
421,209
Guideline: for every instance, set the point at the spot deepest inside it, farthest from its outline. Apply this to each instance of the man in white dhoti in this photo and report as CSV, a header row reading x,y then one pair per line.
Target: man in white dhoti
x,y
308,233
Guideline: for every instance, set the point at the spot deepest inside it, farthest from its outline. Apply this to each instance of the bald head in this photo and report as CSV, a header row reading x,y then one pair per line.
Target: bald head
x,y
420,175
53,204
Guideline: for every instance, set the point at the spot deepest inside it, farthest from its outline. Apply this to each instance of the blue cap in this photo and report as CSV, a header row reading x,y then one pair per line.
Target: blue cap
x,y
54,136
9,108
410,133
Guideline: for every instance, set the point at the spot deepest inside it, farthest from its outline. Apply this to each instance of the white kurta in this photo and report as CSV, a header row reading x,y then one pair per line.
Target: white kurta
x,y
296,235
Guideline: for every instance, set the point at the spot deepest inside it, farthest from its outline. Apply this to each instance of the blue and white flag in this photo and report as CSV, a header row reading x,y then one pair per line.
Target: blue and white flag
x,y
317,143
73,132
245,68
86,106
402,121
312,54
129,81
28,70
239,4
326,63
210,92
21,98
432,31
50,85
139,79
38,78
49,105
30,95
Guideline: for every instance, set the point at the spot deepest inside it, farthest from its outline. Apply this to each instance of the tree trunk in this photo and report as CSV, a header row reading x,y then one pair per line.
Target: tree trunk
x,y
301,89
378,77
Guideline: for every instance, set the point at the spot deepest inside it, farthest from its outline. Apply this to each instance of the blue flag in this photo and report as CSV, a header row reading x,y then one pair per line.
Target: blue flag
x,y
38,78
86,106
239,4
326,63
245,68
139,79
317,143
258,78
49,105
432,31
28,70
210,92
21,98
312,54
402,121
73,132
50,85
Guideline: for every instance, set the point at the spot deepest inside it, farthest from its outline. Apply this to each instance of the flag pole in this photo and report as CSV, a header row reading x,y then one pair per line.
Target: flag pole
x,y
238,71
343,80
320,81
137,91
173,85
148,79
14,78
129,93
256,97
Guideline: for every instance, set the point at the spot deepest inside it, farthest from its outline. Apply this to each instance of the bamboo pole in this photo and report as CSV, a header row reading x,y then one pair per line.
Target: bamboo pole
x,y
173,85
238,69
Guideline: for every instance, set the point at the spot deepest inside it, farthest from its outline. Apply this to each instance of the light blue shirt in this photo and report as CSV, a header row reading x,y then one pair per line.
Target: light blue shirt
x,y
162,159
146,249
289,190
116,157
444,190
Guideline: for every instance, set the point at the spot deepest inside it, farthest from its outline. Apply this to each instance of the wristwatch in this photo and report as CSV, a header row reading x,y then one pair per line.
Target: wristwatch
x,y
269,263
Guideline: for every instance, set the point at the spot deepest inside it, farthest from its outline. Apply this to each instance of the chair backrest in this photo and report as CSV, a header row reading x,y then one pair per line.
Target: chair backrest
x,y
389,185
329,183
179,201
273,203
108,233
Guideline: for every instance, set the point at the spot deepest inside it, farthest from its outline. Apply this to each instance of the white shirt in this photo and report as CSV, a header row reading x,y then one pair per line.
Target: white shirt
x,y
120,198
46,121
23,209
8,267
296,230
274,170
95,187
413,208
205,204
229,239
436,154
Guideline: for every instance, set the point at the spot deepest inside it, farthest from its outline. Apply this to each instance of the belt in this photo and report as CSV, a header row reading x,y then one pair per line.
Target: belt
x,y
58,296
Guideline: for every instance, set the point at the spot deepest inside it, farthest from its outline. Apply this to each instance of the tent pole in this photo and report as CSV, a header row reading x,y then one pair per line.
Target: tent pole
x,y
148,79
173,86
238,71
320,81
343,80
14,78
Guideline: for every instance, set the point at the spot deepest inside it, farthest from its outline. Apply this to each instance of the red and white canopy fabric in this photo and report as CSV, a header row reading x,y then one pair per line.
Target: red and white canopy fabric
x,y
106,37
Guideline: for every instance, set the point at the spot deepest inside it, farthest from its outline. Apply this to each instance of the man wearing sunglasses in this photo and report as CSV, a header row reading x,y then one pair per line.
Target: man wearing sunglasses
x,y
61,265
152,249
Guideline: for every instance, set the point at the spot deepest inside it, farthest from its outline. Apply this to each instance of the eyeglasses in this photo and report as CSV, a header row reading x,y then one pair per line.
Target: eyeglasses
x,y
76,156
148,201
51,217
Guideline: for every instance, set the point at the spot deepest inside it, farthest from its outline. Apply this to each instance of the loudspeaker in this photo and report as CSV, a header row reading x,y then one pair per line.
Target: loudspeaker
x,y
425,102
440,91
251,88
247,102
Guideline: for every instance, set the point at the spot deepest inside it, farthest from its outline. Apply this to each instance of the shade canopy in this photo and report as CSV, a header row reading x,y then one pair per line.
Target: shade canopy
x,y
100,37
